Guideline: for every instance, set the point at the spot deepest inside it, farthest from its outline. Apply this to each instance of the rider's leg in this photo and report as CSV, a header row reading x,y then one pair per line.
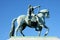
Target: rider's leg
x,y
29,19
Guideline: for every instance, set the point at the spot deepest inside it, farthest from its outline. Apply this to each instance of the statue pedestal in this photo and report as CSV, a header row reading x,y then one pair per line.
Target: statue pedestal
x,y
34,38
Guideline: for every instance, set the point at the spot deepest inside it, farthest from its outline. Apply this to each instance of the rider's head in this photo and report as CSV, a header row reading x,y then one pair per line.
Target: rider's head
x,y
30,6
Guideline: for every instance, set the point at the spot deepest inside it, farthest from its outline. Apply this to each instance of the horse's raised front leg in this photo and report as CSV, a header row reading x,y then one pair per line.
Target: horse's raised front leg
x,y
47,30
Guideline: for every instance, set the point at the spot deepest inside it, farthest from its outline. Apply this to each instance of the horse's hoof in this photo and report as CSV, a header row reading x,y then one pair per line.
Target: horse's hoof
x,y
23,35
45,35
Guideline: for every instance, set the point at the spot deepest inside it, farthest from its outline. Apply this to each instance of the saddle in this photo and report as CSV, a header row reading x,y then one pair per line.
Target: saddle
x,y
32,21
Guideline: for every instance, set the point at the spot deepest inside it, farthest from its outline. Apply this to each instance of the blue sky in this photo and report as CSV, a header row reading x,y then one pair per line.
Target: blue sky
x,y
10,9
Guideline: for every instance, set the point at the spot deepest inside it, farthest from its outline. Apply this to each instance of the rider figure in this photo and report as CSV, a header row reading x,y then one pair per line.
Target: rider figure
x,y
31,12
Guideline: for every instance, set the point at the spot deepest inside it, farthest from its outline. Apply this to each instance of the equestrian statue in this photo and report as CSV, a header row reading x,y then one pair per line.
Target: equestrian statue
x,y
36,21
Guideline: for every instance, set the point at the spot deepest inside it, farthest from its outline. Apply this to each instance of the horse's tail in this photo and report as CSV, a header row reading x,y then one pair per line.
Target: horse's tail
x,y
13,27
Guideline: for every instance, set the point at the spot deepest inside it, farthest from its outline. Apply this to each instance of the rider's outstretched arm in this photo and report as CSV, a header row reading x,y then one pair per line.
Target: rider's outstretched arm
x,y
36,7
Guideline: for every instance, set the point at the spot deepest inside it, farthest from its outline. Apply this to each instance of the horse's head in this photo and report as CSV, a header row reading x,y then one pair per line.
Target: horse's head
x,y
45,12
